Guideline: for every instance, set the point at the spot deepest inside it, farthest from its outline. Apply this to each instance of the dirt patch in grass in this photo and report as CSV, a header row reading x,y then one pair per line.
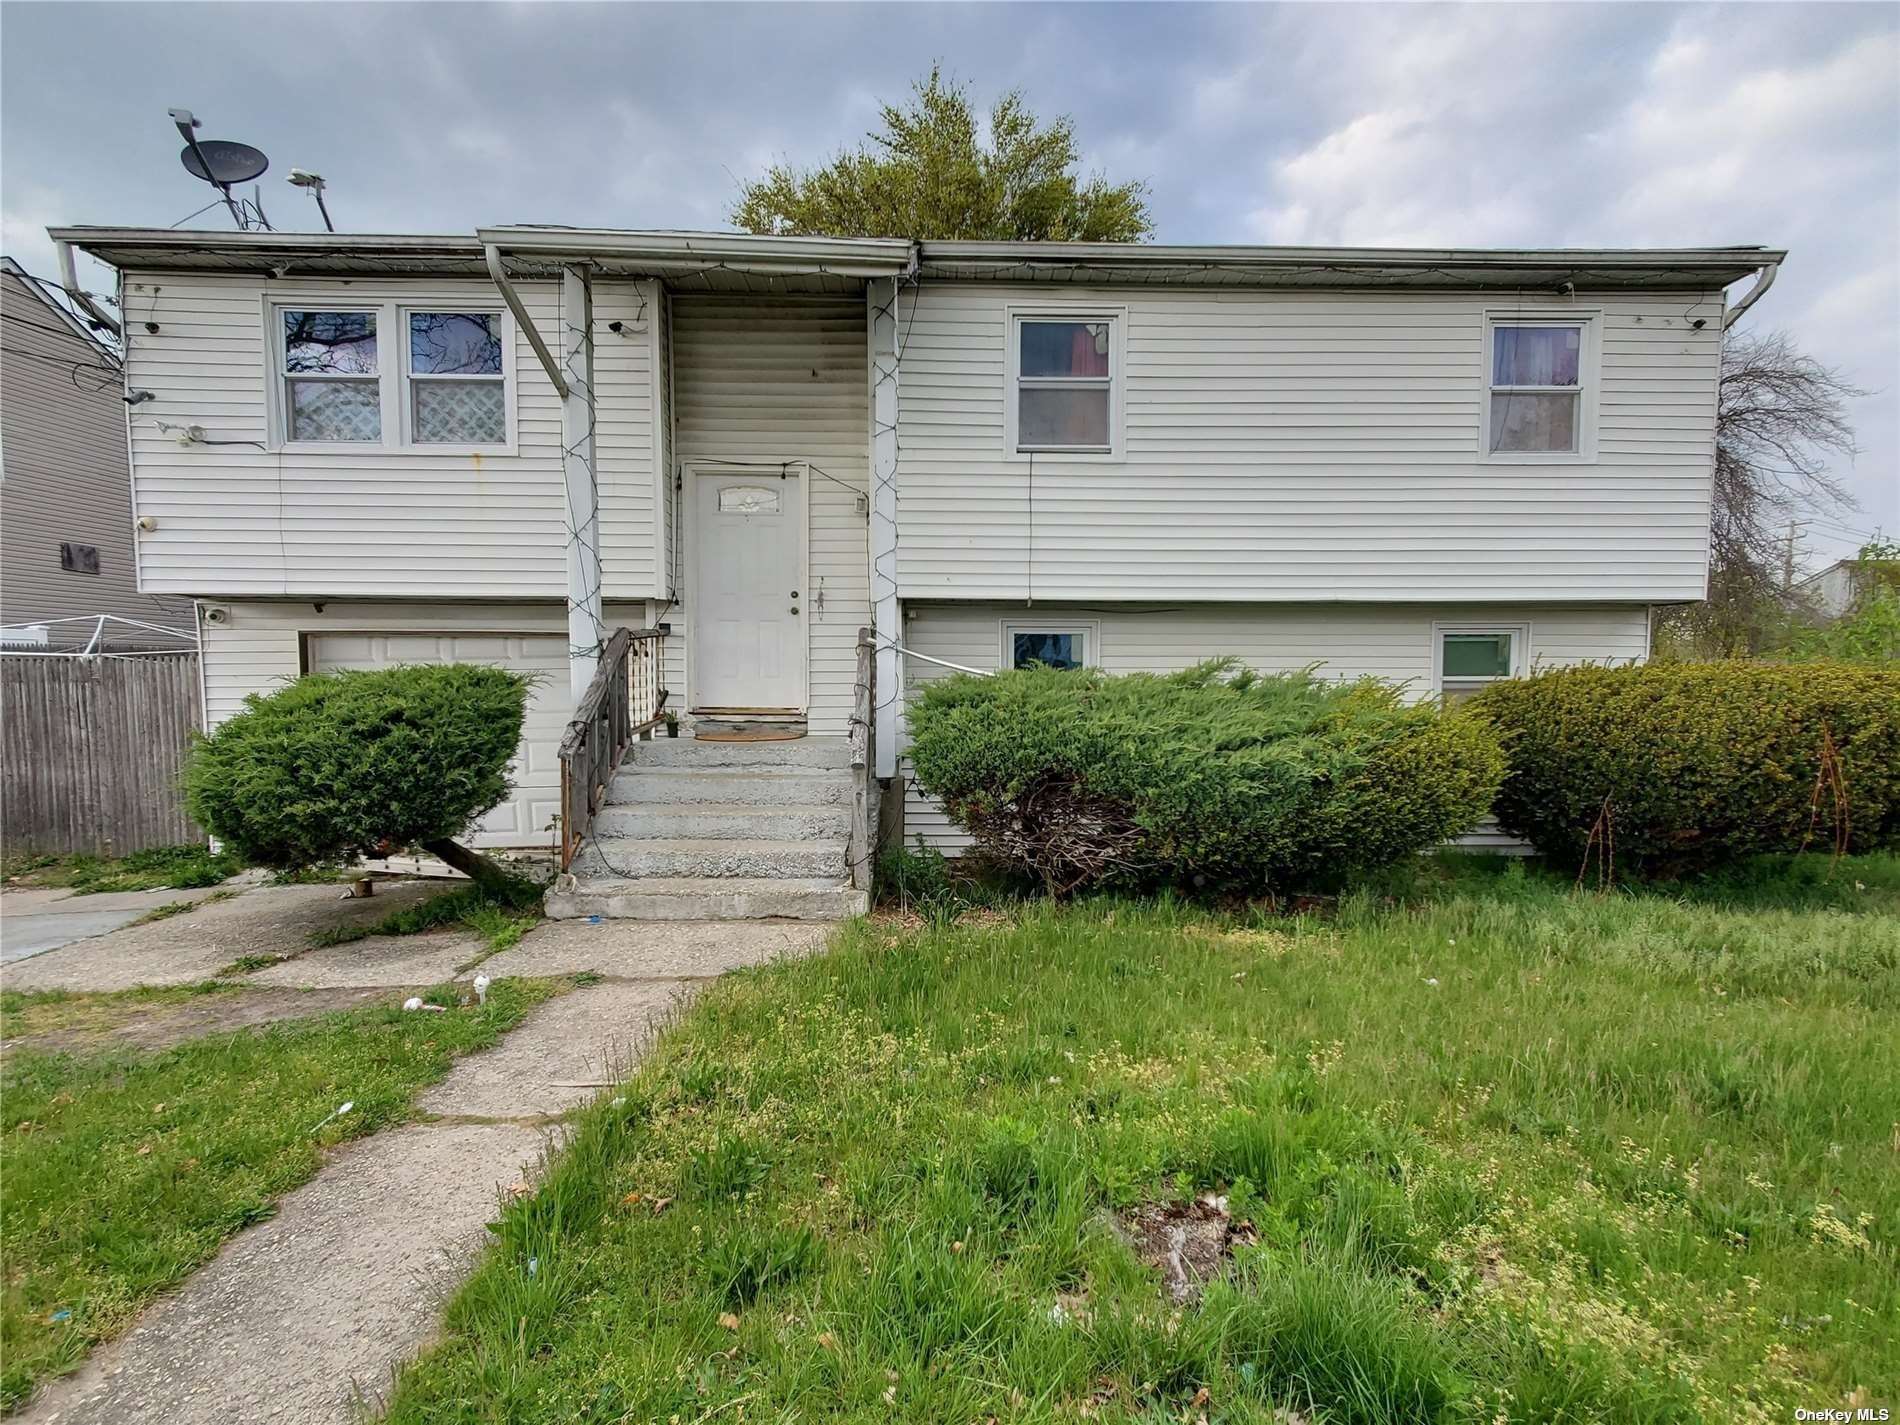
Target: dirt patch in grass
x,y
1187,1242
71,1023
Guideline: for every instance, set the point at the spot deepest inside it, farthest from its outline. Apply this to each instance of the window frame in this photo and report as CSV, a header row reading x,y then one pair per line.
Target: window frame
x,y
1116,319
393,377
1088,631
1588,387
1518,633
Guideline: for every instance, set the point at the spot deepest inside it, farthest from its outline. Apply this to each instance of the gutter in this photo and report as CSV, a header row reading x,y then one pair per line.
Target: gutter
x,y
523,320
69,283
657,253
1764,279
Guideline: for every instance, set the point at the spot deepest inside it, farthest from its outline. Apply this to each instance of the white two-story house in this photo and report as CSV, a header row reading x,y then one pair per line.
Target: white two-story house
x,y
1437,467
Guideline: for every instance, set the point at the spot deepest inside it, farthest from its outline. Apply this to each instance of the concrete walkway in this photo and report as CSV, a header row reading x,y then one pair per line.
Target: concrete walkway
x,y
36,919
276,921
307,1317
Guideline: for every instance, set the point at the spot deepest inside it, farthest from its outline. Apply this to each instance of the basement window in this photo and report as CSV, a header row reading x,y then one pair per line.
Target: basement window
x,y
1052,645
1470,659
1064,384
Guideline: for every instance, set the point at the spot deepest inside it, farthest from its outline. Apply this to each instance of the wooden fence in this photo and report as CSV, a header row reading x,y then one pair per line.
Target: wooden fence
x,y
91,752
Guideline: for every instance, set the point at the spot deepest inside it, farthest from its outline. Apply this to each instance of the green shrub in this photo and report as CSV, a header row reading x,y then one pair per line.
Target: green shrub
x,y
1699,763
1216,776
341,765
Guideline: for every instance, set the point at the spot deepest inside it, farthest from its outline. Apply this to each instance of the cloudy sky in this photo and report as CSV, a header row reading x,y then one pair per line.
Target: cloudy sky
x,y
1487,125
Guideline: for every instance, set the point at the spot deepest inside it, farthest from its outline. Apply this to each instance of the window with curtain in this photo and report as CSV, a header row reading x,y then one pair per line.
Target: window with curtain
x,y
1537,371
1065,384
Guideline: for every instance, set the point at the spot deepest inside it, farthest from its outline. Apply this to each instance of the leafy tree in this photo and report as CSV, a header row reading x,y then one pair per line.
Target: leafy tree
x,y
1780,417
931,172
340,765
1869,632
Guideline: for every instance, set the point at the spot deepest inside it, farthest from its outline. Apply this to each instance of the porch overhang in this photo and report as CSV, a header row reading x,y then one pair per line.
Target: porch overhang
x,y
685,260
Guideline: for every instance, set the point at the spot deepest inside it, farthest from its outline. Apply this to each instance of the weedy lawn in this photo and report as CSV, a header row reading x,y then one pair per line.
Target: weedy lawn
x,y
1510,1152
121,1171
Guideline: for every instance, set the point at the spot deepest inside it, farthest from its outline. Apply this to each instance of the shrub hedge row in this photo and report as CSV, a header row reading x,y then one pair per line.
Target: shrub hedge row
x,y
1700,763
342,765
1216,776
1221,777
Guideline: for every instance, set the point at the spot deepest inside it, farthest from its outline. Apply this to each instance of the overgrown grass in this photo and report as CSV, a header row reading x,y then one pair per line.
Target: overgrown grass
x,y
176,867
1511,1152
500,916
124,1171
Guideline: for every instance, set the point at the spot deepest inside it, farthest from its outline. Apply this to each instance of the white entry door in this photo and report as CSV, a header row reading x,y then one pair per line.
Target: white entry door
x,y
748,614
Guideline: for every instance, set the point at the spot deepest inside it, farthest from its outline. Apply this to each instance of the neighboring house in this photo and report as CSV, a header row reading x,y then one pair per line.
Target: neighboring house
x,y
1436,467
66,535
1835,590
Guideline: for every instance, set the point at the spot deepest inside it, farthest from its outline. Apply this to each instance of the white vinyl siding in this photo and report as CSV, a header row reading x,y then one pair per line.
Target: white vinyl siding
x,y
758,381
242,519
1395,642
1306,446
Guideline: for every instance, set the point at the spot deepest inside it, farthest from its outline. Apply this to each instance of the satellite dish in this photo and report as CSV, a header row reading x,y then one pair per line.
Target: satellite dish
x,y
222,161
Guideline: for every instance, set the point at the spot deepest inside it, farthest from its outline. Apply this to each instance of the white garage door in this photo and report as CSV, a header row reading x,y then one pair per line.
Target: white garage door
x,y
534,777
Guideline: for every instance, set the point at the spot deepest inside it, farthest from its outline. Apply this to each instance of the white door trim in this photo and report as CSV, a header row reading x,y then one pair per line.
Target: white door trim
x,y
689,549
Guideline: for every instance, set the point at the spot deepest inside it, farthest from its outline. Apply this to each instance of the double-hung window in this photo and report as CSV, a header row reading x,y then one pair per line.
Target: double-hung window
x,y
1539,401
1470,658
457,390
1064,384
333,388
391,374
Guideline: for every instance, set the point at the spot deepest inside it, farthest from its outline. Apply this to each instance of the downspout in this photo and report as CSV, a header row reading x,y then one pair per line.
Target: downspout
x,y
1764,279
523,320
69,283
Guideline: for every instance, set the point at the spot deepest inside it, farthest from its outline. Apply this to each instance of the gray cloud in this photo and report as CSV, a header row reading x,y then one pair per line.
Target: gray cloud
x,y
1483,124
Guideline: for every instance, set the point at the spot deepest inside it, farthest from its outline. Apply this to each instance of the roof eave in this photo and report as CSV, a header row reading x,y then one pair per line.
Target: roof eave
x,y
1498,269
685,251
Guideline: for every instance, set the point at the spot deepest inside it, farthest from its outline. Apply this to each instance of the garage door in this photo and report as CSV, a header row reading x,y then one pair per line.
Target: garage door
x,y
535,775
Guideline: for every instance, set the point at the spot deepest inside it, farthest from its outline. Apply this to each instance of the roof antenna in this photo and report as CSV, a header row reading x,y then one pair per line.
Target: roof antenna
x,y
304,178
222,163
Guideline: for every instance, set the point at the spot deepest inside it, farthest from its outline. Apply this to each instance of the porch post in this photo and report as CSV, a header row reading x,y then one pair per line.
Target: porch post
x,y
586,630
881,301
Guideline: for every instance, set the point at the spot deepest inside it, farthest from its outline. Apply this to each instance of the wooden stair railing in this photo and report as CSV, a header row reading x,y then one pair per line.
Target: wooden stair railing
x,y
625,700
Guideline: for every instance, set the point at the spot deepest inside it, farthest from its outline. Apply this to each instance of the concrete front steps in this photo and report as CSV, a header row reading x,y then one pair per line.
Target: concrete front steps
x,y
720,831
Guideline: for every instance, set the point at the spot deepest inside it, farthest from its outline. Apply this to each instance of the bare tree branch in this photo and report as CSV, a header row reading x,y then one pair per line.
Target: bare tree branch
x,y
1781,419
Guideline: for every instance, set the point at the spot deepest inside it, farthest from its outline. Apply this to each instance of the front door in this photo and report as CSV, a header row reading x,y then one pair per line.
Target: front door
x,y
747,615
